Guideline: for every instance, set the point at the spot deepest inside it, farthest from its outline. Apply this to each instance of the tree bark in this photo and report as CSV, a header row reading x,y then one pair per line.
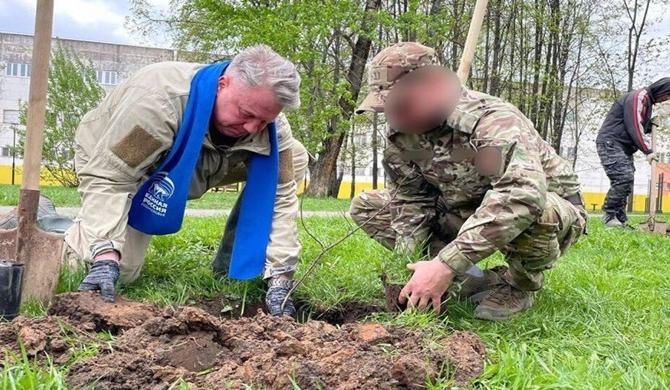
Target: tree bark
x,y
375,151
352,192
325,167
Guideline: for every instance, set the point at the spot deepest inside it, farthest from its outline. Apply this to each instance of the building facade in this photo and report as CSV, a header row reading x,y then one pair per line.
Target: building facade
x,y
113,63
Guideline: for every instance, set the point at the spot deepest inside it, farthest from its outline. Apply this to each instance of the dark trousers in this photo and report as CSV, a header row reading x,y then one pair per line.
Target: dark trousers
x,y
620,169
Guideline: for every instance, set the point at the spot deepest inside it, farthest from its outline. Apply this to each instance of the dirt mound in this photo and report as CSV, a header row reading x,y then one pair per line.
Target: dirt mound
x,y
90,313
155,348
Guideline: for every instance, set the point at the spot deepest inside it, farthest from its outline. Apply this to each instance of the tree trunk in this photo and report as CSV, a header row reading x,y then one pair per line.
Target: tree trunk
x,y
537,61
375,150
325,167
352,193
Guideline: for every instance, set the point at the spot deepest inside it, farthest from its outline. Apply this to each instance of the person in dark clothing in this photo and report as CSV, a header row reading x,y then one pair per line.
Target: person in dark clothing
x,y
627,129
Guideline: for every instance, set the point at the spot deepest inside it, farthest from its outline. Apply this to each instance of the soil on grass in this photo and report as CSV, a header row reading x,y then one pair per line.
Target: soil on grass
x,y
156,347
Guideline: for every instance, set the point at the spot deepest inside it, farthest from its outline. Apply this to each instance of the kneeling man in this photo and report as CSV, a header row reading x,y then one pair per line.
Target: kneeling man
x,y
171,132
468,175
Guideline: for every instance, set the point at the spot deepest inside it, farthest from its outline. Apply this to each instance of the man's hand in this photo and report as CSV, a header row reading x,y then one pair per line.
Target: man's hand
x,y
429,282
278,289
102,276
652,157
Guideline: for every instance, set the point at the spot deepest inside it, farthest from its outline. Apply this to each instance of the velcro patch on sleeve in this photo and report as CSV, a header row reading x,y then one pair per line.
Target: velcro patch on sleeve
x,y
490,161
136,147
286,172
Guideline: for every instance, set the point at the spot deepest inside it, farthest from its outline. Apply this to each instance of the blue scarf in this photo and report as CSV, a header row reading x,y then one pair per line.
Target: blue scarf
x,y
158,206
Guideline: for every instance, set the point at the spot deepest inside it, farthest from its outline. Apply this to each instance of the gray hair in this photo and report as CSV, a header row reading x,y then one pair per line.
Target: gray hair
x,y
260,66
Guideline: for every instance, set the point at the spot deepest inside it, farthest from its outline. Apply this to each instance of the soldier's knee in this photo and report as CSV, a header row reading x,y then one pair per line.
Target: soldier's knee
x,y
357,208
367,204
300,161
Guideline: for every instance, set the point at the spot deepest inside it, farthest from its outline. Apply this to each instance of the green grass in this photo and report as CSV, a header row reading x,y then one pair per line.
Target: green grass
x,y
601,322
24,374
68,197
61,196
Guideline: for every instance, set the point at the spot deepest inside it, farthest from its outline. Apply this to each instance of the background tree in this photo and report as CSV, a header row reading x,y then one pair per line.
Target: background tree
x,y
72,91
544,56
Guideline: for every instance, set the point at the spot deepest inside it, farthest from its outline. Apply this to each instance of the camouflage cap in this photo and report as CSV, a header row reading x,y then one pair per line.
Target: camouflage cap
x,y
388,66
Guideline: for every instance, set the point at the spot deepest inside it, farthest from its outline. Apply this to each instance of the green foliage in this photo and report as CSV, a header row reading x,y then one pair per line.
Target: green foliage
x,y
318,39
299,30
72,91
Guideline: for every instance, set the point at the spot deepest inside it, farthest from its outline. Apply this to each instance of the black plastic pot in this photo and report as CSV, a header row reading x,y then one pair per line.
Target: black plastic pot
x,y
10,289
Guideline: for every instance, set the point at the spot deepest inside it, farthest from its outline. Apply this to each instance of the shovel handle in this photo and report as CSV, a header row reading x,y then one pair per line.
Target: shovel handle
x,y
471,40
37,97
653,196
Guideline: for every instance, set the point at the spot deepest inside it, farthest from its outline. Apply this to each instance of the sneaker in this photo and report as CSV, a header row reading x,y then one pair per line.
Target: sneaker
x,y
503,302
612,222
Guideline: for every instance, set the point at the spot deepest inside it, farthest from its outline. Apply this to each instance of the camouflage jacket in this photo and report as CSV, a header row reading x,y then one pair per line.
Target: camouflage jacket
x,y
487,164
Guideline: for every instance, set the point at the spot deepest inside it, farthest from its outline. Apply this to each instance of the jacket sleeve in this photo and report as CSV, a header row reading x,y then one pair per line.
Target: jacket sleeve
x,y
636,114
136,133
283,249
413,201
510,157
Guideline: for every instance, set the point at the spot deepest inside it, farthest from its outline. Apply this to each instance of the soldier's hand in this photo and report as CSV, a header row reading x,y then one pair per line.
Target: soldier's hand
x,y
428,283
102,276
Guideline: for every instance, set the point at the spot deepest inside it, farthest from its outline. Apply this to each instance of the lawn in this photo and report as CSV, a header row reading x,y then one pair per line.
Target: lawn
x,y
601,322
68,197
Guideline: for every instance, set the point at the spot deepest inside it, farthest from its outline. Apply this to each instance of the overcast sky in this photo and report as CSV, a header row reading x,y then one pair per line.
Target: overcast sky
x,y
103,20
92,20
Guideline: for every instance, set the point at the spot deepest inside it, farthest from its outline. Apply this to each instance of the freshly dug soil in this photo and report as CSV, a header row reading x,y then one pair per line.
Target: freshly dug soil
x,y
391,294
154,348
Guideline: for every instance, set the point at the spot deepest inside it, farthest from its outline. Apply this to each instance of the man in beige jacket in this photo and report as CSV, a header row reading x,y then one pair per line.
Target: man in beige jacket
x,y
120,143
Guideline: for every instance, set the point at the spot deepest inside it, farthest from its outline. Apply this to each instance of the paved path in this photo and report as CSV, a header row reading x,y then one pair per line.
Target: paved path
x,y
72,212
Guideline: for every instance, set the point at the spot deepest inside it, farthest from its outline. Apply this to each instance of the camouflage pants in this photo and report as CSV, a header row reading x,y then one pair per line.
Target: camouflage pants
x,y
620,169
528,255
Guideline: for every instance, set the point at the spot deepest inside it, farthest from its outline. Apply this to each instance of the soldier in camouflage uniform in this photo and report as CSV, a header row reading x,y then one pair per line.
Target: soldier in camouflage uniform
x,y
468,175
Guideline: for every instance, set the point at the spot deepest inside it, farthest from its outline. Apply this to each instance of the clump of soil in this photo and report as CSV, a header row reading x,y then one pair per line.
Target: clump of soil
x,y
391,294
154,348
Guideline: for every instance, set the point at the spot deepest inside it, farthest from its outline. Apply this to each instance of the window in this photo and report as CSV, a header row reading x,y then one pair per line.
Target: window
x,y
107,77
10,117
5,151
17,70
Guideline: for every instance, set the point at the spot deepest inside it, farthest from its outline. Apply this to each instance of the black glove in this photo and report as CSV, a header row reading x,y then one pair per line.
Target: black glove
x,y
102,276
277,291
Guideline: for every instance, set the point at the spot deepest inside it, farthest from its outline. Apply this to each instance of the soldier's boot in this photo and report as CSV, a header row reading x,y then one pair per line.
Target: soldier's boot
x,y
473,290
503,302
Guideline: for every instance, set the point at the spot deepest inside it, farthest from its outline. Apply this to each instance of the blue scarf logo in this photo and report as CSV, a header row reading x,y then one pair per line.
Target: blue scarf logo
x,y
160,190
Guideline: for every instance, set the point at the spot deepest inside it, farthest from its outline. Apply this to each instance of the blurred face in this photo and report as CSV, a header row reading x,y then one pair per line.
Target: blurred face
x,y
421,100
241,110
